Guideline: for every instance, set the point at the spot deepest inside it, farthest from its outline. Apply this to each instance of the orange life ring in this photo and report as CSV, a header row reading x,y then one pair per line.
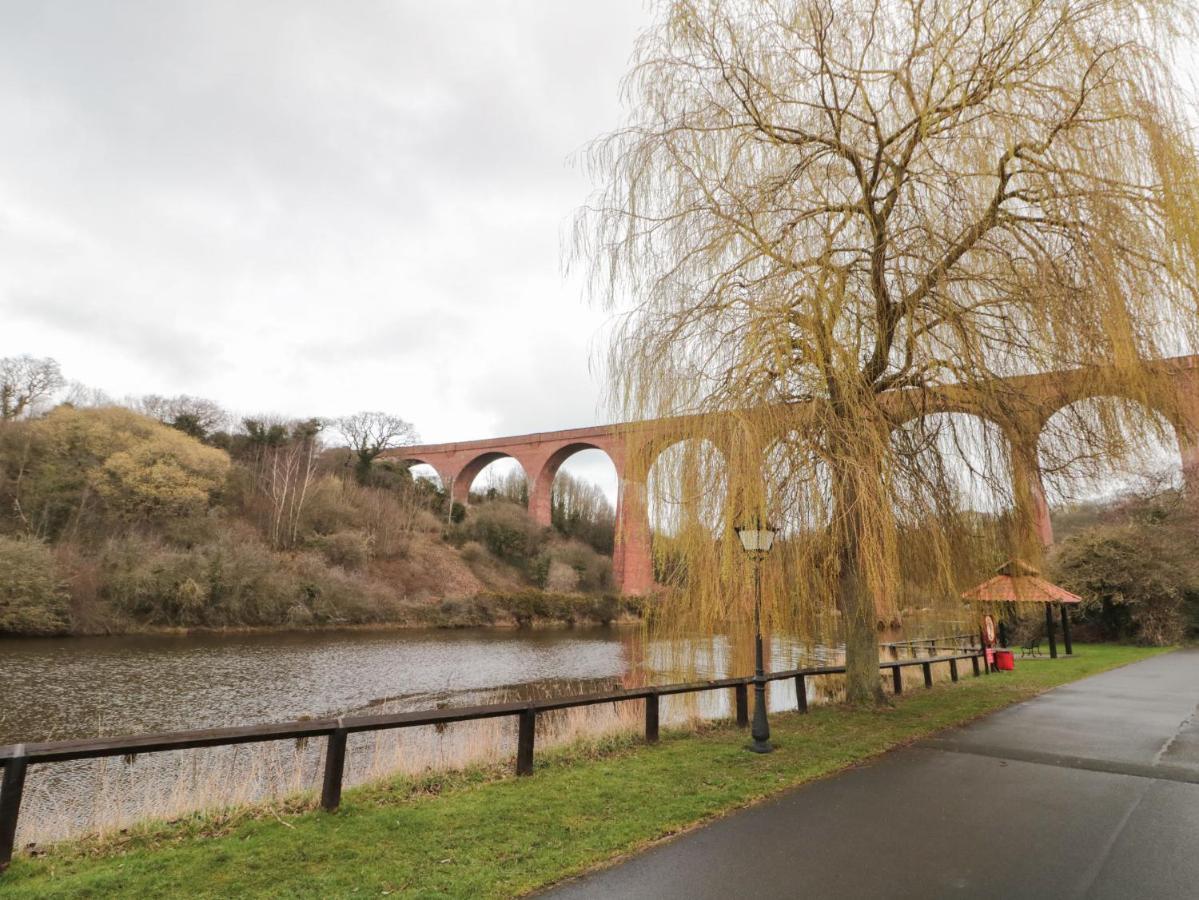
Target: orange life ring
x,y
989,630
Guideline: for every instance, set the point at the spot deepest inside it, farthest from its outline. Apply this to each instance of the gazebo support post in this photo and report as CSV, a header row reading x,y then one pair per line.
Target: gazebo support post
x,y
1066,630
1052,638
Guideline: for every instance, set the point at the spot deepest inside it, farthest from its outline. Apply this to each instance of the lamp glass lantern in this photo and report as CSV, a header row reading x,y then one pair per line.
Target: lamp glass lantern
x,y
756,538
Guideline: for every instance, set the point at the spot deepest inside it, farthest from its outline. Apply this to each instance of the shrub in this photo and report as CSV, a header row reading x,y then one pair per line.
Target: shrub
x,y
594,569
235,581
506,530
561,578
428,521
33,599
387,518
137,468
462,613
389,475
167,474
1135,582
550,562
349,549
473,552
328,508
539,570
570,566
335,597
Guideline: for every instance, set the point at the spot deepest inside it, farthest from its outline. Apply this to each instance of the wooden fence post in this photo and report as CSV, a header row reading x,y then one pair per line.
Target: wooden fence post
x,y
741,693
525,737
953,669
801,693
974,662
651,718
335,764
11,790
897,679
928,674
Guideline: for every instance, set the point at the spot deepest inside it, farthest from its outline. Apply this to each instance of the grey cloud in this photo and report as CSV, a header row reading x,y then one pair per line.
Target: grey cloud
x,y
178,354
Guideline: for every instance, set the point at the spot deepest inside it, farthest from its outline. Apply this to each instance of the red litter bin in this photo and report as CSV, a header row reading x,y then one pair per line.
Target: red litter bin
x,y
1005,660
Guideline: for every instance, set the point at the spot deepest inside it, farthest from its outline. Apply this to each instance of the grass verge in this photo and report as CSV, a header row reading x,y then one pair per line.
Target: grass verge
x,y
484,834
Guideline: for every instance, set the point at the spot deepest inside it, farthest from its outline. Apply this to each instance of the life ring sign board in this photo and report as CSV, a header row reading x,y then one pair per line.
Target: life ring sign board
x,y
989,630
988,636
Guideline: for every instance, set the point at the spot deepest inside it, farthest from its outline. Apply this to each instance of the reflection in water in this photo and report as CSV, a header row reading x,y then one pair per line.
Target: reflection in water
x,y
84,687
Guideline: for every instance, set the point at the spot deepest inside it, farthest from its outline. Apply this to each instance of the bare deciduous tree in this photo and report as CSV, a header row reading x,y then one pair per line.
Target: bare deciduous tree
x,y
285,470
580,509
370,433
192,415
817,204
510,484
84,396
25,382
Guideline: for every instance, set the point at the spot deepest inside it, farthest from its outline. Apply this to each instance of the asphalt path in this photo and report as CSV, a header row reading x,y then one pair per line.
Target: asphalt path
x,y
1089,790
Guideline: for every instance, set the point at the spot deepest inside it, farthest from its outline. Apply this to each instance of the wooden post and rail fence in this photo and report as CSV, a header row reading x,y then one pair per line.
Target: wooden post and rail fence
x,y
932,646
17,758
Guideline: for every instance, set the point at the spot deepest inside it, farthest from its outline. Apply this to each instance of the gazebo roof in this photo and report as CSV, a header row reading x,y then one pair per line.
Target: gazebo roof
x,y
1018,582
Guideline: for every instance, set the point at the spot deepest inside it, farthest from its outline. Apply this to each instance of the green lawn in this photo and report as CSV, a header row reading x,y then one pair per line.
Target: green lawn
x,y
484,834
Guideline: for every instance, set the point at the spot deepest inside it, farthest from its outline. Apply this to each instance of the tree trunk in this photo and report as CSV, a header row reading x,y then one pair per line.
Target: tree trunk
x,y
862,685
855,596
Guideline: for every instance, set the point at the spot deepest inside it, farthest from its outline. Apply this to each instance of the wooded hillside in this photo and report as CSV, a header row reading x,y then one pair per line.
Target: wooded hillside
x,y
117,519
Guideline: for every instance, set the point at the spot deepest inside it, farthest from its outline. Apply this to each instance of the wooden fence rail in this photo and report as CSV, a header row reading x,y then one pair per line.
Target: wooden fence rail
x,y
970,639
933,646
17,758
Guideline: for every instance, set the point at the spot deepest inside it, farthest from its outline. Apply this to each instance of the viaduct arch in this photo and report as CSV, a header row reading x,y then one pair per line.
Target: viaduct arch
x,y
1020,407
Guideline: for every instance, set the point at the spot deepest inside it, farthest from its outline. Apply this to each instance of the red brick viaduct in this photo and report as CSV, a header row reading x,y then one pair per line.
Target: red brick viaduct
x,y
1020,406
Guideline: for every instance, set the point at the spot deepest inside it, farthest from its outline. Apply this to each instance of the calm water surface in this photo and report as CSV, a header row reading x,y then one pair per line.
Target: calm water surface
x,y
81,687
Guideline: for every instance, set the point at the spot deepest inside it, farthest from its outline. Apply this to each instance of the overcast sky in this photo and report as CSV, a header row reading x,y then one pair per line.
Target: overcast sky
x,y
309,208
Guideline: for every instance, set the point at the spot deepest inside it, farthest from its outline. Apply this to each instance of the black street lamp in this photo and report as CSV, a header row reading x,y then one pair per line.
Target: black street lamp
x,y
757,540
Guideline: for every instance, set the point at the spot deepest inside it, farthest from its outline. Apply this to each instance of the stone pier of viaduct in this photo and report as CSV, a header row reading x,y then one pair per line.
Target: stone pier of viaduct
x,y
1020,408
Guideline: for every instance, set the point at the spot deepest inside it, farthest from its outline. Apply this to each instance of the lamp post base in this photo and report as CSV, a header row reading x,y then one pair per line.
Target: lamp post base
x,y
760,732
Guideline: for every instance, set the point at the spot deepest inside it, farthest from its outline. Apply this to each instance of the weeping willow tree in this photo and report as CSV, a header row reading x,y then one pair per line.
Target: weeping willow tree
x,y
820,215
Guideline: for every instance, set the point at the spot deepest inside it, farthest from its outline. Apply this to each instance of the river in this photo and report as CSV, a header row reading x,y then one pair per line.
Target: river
x,y
83,687
54,689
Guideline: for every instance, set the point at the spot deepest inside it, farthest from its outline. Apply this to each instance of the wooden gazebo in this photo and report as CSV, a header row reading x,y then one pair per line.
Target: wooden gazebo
x,y
1018,582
